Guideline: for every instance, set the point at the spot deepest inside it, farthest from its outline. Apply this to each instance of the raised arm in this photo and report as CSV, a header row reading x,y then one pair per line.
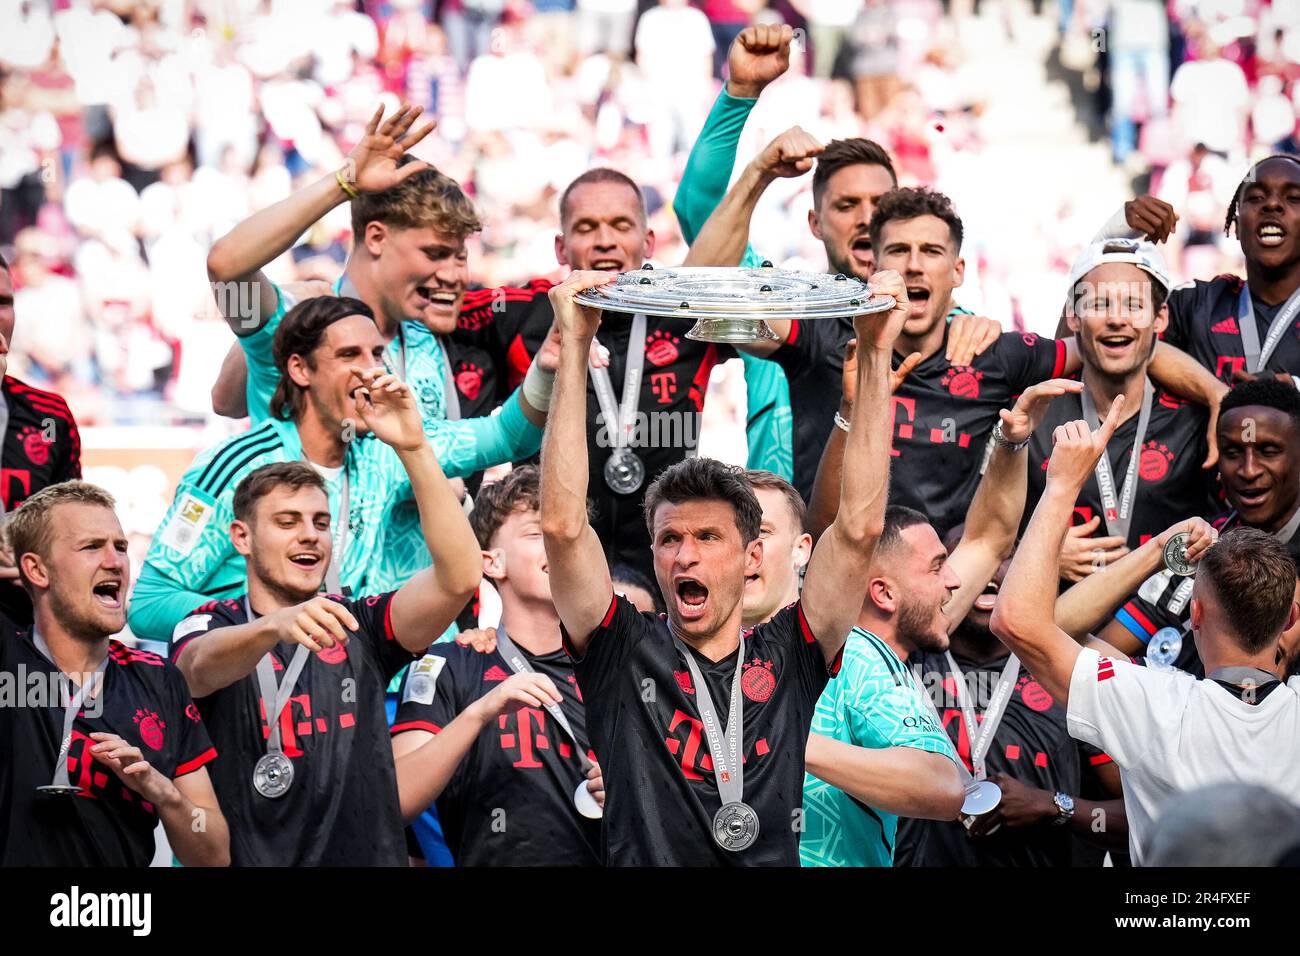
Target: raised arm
x,y
236,259
429,601
1024,616
1175,370
836,580
578,572
230,390
830,469
993,519
1084,608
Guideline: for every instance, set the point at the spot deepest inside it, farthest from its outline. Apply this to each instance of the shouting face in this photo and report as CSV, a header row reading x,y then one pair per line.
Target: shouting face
x,y
924,252
843,213
422,274
604,228
1268,215
701,564
85,569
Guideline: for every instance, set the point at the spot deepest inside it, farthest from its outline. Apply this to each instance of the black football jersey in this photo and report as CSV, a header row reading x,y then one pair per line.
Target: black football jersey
x,y
1204,321
341,809
661,794
510,801
144,700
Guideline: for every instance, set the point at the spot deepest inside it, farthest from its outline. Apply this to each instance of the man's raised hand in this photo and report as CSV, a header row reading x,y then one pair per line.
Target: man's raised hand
x,y
528,689
1076,448
580,321
388,408
1020,421
790,154
759,55
372,164
880,330
1153,217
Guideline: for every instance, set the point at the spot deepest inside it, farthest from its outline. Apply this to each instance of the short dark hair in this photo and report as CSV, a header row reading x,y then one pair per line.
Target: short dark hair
x,y
428,198
706,478
1265,393
1253,578
840,153
260,482
520,490
301,331
601,174
1246,180
898,518
914,202
625,574
758,478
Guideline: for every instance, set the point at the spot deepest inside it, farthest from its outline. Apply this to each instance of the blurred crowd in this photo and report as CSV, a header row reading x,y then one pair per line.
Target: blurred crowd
x,y
1192,90
135,132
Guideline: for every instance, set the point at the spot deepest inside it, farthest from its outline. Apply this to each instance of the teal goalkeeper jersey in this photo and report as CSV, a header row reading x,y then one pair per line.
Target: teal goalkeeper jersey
x,y
876,703
192,560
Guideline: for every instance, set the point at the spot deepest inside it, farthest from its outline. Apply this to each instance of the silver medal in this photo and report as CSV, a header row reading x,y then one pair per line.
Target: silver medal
x,y
586,803
55,789
735,826
1164,647
624,472
273,775
981,797
1176,555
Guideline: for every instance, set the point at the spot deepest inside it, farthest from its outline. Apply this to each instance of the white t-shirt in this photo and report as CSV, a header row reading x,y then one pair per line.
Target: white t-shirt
x,y
1170,733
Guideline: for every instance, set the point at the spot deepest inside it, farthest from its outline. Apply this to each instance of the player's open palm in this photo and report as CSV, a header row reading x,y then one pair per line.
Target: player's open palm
x,y
1020,421
372,164
388,408
759,55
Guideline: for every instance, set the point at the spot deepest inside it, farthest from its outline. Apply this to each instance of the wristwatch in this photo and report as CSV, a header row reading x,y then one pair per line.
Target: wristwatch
x,y
1064,809
1006,442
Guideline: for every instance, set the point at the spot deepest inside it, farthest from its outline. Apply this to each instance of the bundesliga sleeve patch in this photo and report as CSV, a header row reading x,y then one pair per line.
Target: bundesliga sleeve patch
x,y
187,524
423,681
192,625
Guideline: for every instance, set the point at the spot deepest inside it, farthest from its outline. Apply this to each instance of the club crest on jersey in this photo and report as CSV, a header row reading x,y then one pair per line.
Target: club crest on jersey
x,y
661,348
684,681
35,447
757,680
469,380
962,381
1035,698
1155,461
151,728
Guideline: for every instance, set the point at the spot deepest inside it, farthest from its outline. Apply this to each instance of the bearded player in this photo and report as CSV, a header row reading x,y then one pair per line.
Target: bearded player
x,y
292,682
663,693
134,751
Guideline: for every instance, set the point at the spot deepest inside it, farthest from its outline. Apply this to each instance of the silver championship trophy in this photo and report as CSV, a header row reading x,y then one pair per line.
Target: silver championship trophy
x,y
731,305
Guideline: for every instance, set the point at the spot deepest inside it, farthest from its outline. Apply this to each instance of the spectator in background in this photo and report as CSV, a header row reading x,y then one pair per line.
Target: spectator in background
x,y
59,344
469,25
829,23
1211,101
726,19
550,31
873,40
1138,45
605,26
674,49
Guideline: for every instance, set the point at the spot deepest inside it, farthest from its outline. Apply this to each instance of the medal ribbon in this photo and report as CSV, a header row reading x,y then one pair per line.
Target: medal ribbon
x,y
981,741
1119,517
520,665
88,687
728,763
619,419
273,698
1256,358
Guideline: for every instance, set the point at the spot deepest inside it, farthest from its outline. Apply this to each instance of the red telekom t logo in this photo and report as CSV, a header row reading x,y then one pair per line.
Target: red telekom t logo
x,y
691,751
903,431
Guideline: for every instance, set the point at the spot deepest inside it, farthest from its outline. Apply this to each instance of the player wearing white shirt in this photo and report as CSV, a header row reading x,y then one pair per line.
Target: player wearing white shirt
x,y
1168,731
